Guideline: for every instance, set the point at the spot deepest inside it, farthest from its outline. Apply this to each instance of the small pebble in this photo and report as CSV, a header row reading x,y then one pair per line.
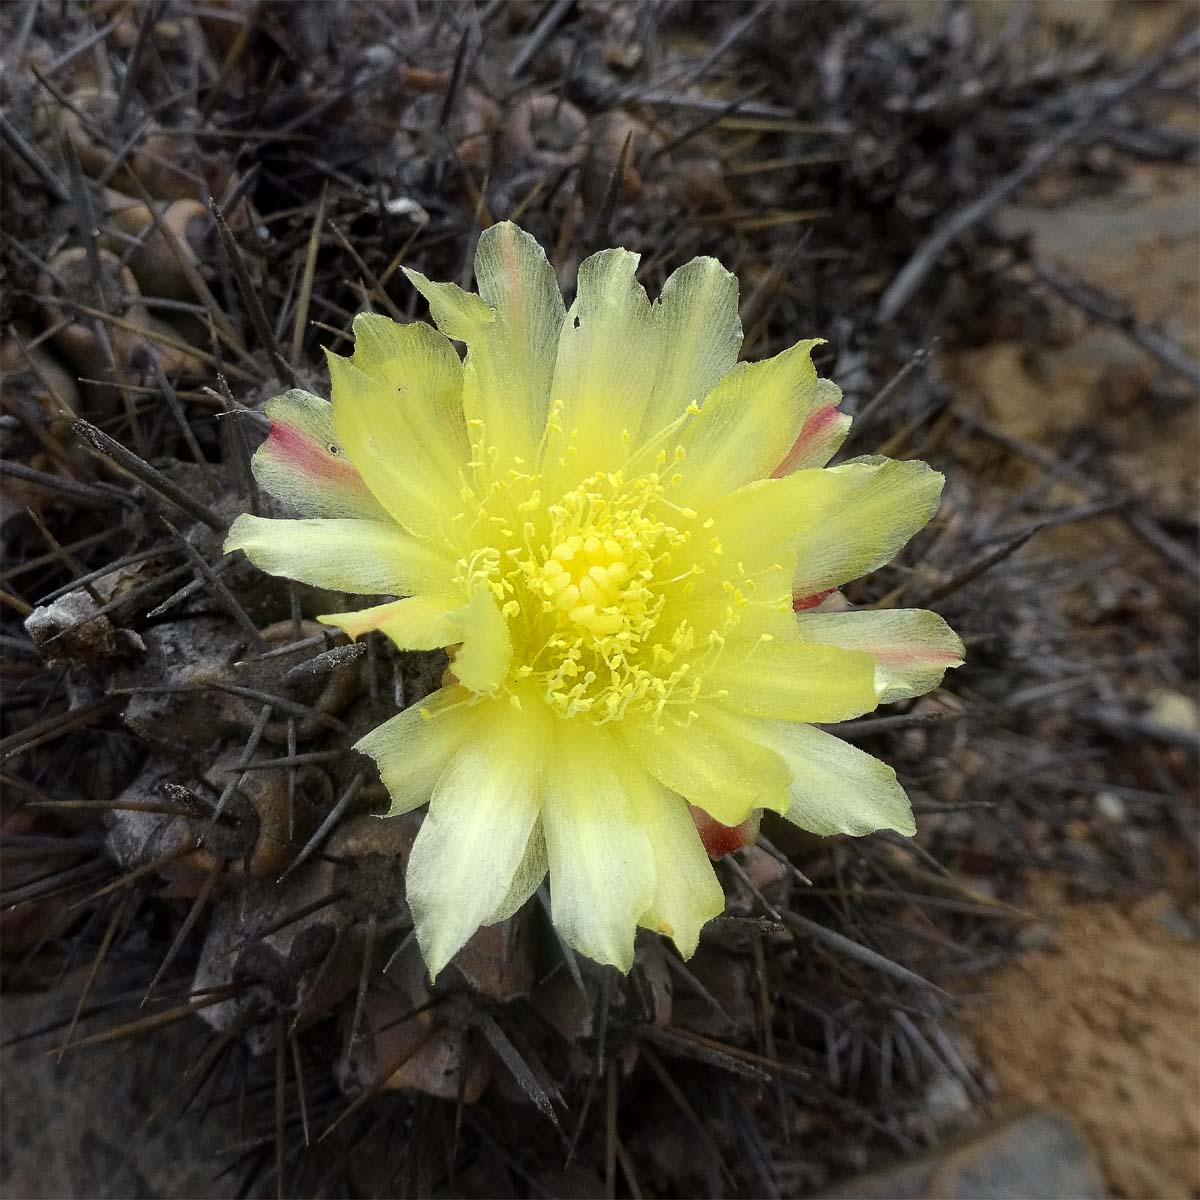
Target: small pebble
x,y
1111,807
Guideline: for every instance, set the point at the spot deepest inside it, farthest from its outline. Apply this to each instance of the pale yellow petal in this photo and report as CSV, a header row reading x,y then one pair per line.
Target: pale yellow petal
x,y
425,374
304,464
511,331
413,748
367,557
483,659
458,314
748,423
477,628
387,431
527,878
857,517
912,648
601,863
699,331
713,761
415,623
606,369
841,522
518,282
837,788
797,681
473,839
756,523
687,893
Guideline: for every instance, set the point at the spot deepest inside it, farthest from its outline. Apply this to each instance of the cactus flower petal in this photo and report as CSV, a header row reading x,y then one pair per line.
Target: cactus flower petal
x,y
718,766
602,878
856,517
482,812
823,432
748,421
477,628
800,681
305,465
413,748
912,648
686,892
511,332
837,788
343,555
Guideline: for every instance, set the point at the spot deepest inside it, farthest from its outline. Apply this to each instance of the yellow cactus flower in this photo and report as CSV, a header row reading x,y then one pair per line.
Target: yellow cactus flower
x,y
620,532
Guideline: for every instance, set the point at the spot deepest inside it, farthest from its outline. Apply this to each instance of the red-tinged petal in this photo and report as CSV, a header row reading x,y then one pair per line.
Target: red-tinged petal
x,y
804,603
719,839
303,463
747,422
912,648
824,431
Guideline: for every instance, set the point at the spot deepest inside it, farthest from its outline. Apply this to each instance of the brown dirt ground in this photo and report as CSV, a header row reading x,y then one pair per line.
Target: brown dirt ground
x,y
1104,1025
1105,1022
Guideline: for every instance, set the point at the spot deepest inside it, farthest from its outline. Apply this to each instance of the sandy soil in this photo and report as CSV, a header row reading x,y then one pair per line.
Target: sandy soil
x,y
1104,1025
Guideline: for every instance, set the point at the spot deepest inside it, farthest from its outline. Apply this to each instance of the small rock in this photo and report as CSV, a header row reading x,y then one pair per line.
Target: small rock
x,y
946,1099
70,630
1111,807
1039,936
1174,710
1179,925
1040,1155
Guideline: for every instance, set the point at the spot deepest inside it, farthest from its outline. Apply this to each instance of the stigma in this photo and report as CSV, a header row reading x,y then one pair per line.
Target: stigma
x,y
584,578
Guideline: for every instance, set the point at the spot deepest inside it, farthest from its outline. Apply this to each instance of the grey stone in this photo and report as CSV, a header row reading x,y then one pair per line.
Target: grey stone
x,y
1039,1155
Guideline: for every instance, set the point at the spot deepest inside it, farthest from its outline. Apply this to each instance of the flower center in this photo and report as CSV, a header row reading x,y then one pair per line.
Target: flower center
x,y
584,578
617,598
